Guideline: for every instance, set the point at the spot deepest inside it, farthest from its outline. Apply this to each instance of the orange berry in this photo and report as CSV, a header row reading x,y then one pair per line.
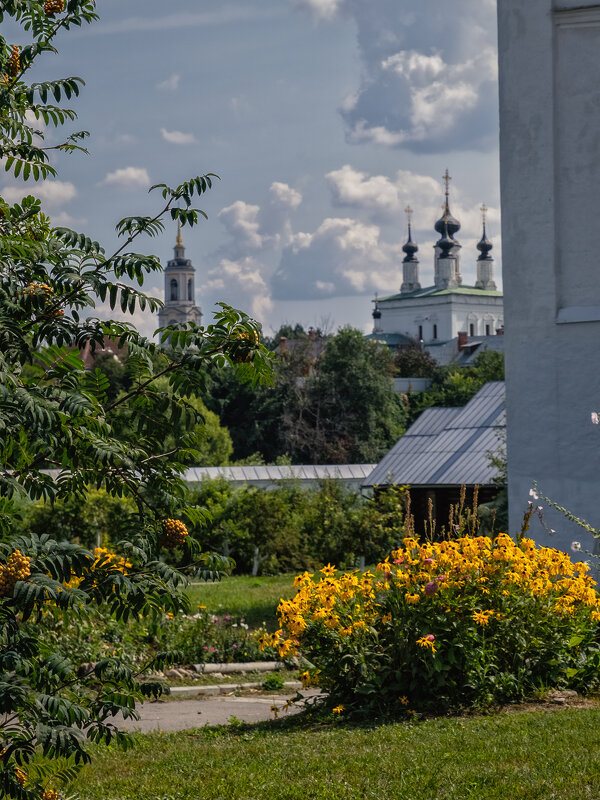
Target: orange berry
x,y
52,7
175,533
14,61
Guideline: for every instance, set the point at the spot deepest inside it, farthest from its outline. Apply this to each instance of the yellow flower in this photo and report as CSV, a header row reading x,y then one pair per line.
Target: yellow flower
x,y
386,618
274,711
412,599
427,642
482,617
328,570
337,709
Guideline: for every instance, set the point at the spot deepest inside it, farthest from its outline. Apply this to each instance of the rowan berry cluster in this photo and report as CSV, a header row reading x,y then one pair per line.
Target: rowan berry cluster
x,y
52,7
16,569
175,533
38,288
243,347
14,61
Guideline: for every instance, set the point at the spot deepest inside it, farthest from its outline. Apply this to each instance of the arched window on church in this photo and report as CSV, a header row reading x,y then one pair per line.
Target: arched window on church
x,y
190,291
174,289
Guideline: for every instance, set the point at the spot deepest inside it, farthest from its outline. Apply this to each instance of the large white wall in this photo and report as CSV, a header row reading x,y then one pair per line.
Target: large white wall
x,y
451,313
550,183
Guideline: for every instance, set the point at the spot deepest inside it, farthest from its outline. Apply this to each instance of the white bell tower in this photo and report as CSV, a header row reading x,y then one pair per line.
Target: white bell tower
x,y
180,292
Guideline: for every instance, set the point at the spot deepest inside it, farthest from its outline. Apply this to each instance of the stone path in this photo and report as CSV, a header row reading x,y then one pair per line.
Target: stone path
x,y
185,714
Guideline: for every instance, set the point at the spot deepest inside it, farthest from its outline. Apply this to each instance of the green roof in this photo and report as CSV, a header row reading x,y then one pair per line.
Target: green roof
x,y
434,291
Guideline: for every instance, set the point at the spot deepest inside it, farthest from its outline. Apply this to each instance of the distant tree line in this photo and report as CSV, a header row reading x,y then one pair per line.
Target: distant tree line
x,y
332,400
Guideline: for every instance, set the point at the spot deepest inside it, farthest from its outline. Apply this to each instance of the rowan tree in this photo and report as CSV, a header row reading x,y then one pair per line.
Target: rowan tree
x,y
60,432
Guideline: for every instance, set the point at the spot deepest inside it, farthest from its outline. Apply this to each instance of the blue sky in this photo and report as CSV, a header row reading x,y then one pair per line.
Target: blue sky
x,y
324,118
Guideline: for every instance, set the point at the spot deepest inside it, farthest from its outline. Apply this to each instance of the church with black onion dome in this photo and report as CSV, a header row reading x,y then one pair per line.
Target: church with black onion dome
x,y
180,292
435,315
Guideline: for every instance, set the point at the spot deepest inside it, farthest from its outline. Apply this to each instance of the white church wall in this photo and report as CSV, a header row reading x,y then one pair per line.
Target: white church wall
x,y
550,173
450,313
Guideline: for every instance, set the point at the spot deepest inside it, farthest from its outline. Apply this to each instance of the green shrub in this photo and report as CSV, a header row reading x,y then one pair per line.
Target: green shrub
x,y
273,682
196,639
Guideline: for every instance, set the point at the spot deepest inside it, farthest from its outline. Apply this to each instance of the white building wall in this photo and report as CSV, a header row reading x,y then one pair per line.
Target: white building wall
x,y
550,174
451,313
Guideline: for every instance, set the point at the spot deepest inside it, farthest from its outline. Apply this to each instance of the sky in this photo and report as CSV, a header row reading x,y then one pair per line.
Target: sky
x,y
323,118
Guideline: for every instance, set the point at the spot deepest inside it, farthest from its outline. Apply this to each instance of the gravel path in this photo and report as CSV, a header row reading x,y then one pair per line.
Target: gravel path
x,y
186,714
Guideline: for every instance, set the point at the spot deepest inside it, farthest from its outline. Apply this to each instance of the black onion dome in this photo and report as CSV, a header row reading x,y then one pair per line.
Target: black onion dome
x,y
376,313
484,246
447,220
410,248
446,243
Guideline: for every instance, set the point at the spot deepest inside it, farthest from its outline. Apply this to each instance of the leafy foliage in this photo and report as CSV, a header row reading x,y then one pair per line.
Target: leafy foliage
x,y
332,407
455,386
55,414
414,362
291,528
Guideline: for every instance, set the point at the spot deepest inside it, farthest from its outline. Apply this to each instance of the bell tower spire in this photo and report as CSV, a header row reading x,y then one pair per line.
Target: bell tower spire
x,y
447,248
410,263
485,262
180,292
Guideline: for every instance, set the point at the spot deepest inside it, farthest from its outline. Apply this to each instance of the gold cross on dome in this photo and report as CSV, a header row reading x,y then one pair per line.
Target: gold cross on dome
x,y
447,180
409,212
484,209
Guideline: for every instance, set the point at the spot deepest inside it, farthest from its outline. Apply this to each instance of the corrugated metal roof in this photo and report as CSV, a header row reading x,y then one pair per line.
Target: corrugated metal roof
x,y
271,474
448,446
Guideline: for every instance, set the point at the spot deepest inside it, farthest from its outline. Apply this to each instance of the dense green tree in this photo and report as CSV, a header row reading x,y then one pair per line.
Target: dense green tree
x,y
455,386
347,411
414,362
55,413
291,528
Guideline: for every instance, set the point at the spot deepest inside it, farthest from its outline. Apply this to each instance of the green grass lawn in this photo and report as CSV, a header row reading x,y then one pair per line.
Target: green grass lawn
x,y
255,599
541,755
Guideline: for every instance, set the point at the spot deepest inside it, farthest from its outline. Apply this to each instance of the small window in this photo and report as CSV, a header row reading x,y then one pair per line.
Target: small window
x,y
487,330
174,289
435,331
471,329
190,291
420,332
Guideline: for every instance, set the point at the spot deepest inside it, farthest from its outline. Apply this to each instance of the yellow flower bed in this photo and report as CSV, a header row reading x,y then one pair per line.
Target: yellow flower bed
x,y
485,619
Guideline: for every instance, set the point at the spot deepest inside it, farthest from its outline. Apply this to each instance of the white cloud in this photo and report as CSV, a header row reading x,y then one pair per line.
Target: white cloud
x,y
177,137
170,84
241,284
128,178
429,74
342,257
322,9
54,193
284,195
241,222
350,187
383,199
62,218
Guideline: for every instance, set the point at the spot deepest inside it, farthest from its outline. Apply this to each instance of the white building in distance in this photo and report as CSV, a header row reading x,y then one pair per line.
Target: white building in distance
x,y
180,292
437,314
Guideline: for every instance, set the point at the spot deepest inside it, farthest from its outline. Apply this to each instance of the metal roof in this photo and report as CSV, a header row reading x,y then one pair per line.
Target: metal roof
x,y
272,474
436,291
448,446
